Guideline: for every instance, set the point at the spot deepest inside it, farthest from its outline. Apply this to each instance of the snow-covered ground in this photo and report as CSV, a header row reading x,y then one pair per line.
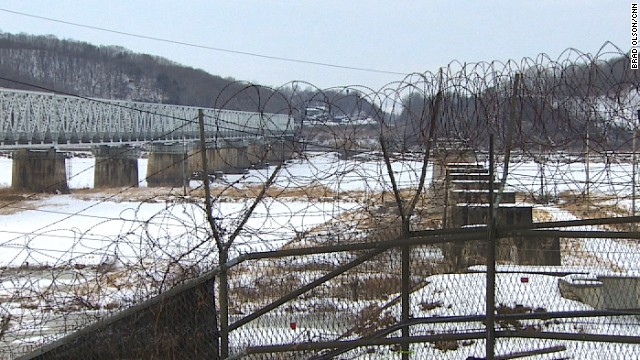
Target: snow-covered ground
x,y
64,230
98,228
560,175
464,294
599,255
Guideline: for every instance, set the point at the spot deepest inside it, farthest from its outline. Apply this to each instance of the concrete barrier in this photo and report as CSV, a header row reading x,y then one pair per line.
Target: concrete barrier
x,y
603,291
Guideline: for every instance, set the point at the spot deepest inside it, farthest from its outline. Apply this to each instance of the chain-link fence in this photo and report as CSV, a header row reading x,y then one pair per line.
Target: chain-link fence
x,y
482,211
345,301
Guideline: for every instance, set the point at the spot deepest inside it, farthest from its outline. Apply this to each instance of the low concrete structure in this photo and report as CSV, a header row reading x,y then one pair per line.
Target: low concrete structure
x,y
448,155
171,164
468,176
484,185
221,157
257,153
463,190
272,152
277,152
617,292
479,196
39,171
236,157
519,250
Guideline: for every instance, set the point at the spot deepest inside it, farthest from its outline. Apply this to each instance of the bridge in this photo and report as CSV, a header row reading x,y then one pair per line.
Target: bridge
x,y
38,126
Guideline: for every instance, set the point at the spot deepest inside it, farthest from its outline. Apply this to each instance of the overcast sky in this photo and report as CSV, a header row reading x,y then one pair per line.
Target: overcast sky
x,y
400,37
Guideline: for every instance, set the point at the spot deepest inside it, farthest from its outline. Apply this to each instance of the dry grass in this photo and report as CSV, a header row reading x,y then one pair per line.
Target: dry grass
x,y
590,208
596,207
146,194
446,345
540,215
428,306
373,318
162,194
12,202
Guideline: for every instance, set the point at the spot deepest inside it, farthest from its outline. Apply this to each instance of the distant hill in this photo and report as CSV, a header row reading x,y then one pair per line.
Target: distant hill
x,y
114,72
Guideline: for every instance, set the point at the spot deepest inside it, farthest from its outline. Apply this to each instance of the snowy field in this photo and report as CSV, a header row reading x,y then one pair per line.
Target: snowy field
x,y
65,230
558,176
93,229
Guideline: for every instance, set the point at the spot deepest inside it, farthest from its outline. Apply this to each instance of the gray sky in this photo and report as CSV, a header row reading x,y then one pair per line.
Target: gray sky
x,y
401,36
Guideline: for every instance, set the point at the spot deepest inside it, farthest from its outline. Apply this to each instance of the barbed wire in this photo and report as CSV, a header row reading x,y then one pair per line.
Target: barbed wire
x,y
365,167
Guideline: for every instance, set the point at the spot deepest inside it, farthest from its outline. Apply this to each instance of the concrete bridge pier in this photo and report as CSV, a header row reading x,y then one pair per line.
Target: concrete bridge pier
x,y
168,165
239,156
226,157
116,166
39,171
256,153
219,159
216,159
280,150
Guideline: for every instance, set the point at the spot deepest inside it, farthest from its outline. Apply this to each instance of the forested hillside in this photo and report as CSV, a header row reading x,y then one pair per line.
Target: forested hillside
x,y
556,104
116,73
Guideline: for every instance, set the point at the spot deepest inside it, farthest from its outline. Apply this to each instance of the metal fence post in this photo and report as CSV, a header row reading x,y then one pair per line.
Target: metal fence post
x,y
491,260
406,288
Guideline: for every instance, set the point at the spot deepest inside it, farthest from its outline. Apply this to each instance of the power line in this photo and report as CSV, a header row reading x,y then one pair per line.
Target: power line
x,y
205,47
